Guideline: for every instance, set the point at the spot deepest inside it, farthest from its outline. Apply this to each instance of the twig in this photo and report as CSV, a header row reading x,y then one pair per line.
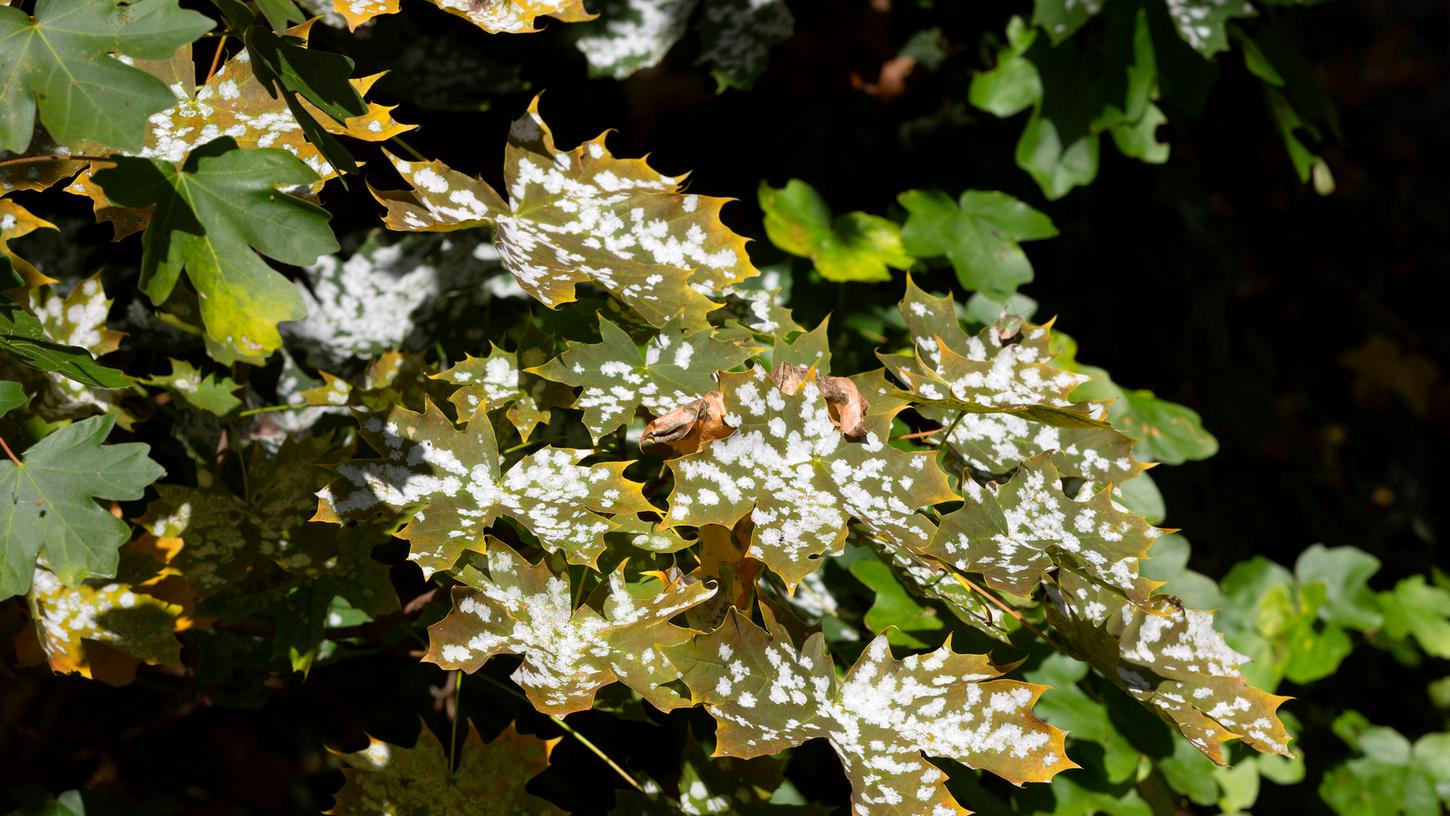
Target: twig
x,y
997,602
216,59
567,729
76,157
920,434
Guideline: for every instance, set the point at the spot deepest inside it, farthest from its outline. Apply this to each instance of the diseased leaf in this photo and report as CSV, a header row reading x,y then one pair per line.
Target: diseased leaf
x,y
894,613
211,393
25,337
17,222
48,509
1203,24
209,530
583,216
78,321
736,37
69,620
852,247
1015,534
450,485
211,213
493,382
64,61
493,16
716,786
569,653
978,233
632,35
790,470
766,695
675,367
1172,661
490,777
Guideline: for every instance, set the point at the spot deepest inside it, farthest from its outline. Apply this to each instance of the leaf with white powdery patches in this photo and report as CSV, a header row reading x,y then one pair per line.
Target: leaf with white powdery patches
x,y
490,777
800,480
1016,533
583,216
766,695
494,382
569,653
675,367
1172,661
450,485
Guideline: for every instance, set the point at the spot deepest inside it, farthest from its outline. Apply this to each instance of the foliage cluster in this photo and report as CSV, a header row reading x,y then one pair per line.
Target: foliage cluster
x,y
554,432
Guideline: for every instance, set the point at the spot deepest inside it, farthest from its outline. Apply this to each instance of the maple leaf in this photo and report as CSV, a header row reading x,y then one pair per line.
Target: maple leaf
x,y
569,653
800,480
210,214
451,485
134,620
580,216
939,582
48,509
766,695
490,777
64,62
215,394
493,16
17,222
736,37
496,381
633,35
77,321
1171,660
1016,533
209,532
715,786
676,366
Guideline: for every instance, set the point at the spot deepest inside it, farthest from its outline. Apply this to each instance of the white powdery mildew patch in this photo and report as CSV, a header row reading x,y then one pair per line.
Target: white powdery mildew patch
x,y
737,35
800,478
78,319
635,34
133,622
1201,22
569,653
998,443
993,373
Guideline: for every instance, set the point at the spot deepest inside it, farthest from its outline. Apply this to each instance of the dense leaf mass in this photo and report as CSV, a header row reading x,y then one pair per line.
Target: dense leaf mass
x,y
336,444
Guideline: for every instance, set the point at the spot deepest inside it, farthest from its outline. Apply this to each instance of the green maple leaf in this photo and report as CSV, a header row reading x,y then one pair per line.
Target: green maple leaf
x,y
210,214
493,382
215,394
800,480
766,695
450,484
23,335
12,396
48,509
617,377
1016,533
1171,659
63,61
853,247
583,216
569,653
979,234
490,777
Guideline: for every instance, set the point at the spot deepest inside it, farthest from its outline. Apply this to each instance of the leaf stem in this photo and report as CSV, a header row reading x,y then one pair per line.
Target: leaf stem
x,y
407,148
567,729
457,713
997,602
10,453
270,408
216,59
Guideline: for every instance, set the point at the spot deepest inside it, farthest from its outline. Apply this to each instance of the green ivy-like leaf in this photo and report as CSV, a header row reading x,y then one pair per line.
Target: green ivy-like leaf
x,y
47,504
210,214
1419,610
851,247
582,216
1345,573
800,480
64,62
978,233
676,366
569,653
450,485
490,777
766,695
1391,776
